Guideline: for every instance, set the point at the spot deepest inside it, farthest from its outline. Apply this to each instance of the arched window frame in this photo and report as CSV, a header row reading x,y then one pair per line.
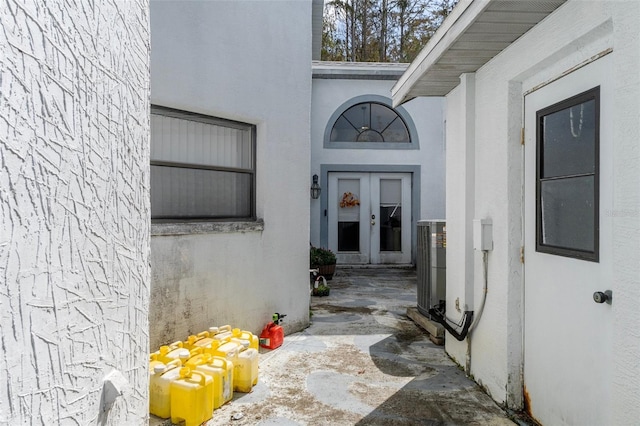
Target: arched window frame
x,y
402,112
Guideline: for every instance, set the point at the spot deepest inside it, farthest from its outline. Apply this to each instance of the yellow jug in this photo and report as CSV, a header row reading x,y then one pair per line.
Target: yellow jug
x,y
245,373
160,388
227,350
153,361
170,352
223,333
186,356
227,377
246,335
200,340
191,398
204,364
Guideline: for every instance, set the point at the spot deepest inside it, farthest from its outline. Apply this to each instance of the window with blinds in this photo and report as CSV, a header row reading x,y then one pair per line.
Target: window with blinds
x,y
201,167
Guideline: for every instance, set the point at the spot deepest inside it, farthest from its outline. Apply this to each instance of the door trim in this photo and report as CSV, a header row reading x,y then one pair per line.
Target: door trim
x,y
414,170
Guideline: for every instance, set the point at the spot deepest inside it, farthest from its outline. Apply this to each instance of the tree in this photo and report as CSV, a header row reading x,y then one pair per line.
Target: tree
x,y
332,45
380,30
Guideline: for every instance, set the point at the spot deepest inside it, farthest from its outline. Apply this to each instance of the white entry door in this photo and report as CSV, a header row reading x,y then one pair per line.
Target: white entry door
x,y
369,217
568,245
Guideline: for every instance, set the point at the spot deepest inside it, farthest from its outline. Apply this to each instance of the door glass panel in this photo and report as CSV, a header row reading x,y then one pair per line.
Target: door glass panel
x,y
567,168
569,141
390,215
567,213
349,215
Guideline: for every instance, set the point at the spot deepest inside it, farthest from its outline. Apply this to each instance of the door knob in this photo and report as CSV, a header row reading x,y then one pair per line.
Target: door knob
x,y
373,222
602,297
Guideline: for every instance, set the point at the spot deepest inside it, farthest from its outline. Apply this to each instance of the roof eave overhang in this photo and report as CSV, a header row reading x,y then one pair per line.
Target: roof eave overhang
x,y
473,34
357,70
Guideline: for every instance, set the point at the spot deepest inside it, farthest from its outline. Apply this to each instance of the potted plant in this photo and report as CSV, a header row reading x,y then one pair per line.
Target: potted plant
x,y
321,291
324,260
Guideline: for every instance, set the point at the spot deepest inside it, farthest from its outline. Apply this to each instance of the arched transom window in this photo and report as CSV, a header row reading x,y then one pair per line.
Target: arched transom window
x,y
370,122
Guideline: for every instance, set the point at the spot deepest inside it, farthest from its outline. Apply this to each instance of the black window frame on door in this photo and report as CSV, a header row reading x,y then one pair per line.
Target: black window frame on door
x,y
568,173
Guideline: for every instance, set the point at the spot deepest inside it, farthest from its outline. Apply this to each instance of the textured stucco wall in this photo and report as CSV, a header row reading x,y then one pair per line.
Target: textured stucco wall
x,y
248,61
574,33
427,115
74,210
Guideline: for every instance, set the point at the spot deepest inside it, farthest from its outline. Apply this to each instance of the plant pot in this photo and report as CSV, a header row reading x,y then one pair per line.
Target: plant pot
x,y
326,270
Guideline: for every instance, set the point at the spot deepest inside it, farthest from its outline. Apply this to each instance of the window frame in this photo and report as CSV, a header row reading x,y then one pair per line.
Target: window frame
x,y
206,119
401,112
593,256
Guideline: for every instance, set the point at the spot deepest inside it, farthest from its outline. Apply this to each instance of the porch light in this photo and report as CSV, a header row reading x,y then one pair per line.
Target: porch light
x,y
315,188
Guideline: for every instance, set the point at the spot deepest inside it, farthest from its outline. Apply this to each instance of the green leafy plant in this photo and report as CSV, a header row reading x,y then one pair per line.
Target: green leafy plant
x,y
321,290
320,256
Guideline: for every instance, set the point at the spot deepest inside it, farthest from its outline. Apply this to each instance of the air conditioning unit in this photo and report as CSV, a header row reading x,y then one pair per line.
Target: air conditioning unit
x,y
431,264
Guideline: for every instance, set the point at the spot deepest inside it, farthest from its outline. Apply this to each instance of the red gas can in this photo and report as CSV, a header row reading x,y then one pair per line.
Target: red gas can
x,y
272,336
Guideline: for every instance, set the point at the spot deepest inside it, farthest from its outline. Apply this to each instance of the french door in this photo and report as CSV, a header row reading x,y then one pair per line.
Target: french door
x,y
369,217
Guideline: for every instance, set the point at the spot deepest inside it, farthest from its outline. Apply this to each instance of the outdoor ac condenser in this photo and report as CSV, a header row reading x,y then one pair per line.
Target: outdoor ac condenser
x,y
431,264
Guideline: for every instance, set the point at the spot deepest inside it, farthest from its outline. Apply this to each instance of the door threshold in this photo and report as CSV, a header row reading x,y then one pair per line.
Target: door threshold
x,y
379,266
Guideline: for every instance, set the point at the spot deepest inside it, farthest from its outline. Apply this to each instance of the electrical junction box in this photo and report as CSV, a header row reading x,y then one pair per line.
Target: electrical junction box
x,y
482,234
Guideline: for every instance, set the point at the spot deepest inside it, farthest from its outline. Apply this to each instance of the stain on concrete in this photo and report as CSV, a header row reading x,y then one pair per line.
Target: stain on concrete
x,y
362,362
342,308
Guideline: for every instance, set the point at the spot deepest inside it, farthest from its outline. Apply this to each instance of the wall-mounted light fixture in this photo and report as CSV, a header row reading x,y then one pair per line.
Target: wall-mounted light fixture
x,y
315,188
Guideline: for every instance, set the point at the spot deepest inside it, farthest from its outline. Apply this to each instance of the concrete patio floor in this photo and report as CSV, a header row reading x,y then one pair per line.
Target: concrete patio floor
x,y
361,362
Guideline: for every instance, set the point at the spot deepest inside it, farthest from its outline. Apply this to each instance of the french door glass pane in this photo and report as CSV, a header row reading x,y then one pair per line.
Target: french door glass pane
x,y
390,215
349,236
348,215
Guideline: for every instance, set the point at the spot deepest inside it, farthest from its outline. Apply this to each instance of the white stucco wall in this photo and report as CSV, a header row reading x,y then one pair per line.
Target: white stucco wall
x,y
74,211
574,33
427,115
460,167
237,60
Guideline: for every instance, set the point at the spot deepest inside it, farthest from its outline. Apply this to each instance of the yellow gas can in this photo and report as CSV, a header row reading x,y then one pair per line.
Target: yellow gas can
x,y
245,373
246,335
160,388
191,398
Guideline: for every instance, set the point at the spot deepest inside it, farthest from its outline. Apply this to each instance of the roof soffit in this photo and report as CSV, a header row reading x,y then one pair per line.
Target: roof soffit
x,y
474,33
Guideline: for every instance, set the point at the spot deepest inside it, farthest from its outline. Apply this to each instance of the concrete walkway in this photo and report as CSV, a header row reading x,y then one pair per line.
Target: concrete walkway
x,y
361,362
